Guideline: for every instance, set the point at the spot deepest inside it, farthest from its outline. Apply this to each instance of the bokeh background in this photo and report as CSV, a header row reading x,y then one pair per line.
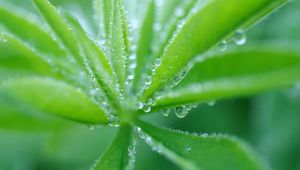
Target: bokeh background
x,y
269,122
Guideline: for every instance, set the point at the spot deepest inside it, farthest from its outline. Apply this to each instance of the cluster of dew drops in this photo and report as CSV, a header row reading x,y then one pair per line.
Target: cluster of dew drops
x,y
238,38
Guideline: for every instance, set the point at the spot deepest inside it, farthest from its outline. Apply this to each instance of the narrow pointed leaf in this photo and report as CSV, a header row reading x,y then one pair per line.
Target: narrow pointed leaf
x,y
117,156
18,117
59,26
104,15
53,97
237,72
192,152
114,35
180,10
210,23
98,62
30,32
117,41
72,43
144,51
14,55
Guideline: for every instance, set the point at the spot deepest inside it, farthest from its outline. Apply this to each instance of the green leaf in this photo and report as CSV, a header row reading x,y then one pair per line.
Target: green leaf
x,y
236,72
174,12
143,53
18,117
14,55
77,46
59,26
114,35
118,155
96,59
53,97
191,152
104,16
30,33
211,22
117,43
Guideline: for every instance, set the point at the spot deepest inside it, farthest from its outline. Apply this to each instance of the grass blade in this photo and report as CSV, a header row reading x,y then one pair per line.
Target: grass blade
x,y
237,72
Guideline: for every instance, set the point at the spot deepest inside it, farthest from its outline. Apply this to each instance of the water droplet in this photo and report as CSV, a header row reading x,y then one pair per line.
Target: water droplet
x,y
132,66
93,78
140,133
179,12
131,151
113,121
187,149
239,37
211,103
151,102
181,112
204,134
130,77
157,62
141,105
179,77
91,127
166,112
147,109
148,140
148,80
93,92
132,57
131,154
157,26
223,45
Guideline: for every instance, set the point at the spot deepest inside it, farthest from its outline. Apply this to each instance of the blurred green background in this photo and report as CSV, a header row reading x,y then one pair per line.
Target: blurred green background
x,y
269,122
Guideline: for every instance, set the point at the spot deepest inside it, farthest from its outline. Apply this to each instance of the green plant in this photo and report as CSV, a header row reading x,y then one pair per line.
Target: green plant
x,y
167,64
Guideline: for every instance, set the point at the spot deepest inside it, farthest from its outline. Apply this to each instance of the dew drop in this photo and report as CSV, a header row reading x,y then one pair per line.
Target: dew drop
x,y
223,45
179,12
132,66
93,92
140,133
166,112
91,127
239,37
130,77
211,103
181,112
187,149
141,105
148,80
157,26
204,134
147,109
113,121
157,62
132,57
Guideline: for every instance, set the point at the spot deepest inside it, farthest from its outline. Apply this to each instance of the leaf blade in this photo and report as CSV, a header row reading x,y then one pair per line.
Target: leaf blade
x,y
30,32
213,21
116,157
218,76
53,97
202,152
